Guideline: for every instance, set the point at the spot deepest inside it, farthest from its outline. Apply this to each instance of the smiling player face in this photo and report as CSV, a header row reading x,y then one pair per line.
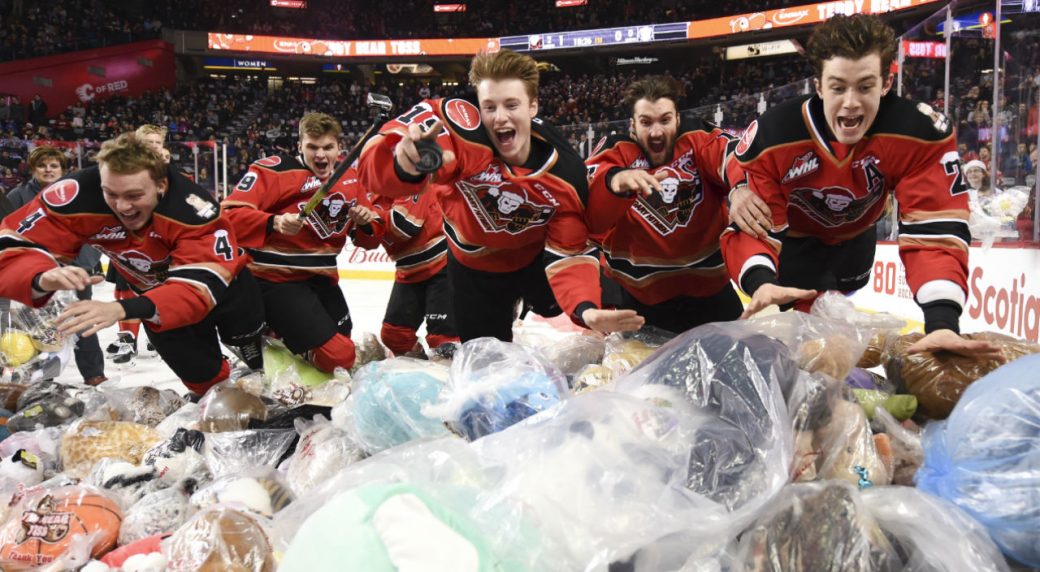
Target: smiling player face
x,y
851,91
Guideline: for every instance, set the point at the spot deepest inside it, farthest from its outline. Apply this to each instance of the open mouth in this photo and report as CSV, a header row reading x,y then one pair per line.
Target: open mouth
x,y
850,122
657,145
130,220
321,166
505,136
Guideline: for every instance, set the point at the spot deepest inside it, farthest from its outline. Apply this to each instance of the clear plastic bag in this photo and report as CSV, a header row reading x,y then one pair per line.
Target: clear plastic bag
x,y
930,534
495,384
218,539
232,452
187,417
226,408
144,405
905,442
179,457
623,352
323,450
124,482
87,442
985,457
387,405
569,353
31,347
736,376
938,379
45,523
823,527
157,513
285,369
261,490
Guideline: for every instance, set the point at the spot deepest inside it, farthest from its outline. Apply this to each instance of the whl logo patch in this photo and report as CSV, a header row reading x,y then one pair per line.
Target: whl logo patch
x,y
803,165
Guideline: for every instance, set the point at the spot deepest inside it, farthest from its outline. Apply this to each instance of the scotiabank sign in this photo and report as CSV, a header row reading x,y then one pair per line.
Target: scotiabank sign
x,y
1003,290
91,75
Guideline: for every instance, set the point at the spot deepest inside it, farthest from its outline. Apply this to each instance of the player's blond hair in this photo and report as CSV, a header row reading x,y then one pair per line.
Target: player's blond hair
x,y
506,64
129,154
319,125
151,129
852,37
45,153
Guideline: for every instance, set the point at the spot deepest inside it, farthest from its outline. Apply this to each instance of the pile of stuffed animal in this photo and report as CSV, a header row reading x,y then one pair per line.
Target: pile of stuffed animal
x,y
787,442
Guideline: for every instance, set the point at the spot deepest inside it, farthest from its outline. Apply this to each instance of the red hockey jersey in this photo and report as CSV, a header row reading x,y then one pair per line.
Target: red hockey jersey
x,y
910,150
411,232
667,244
182,261
283,184
497,217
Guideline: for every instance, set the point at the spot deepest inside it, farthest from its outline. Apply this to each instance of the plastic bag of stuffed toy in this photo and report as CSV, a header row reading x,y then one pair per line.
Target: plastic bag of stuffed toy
x,y
624,351
938,379
904,439
931,534
985,457
735,375
144,405
323,450
31,347
389,527
234,451
261,490
823,527
386,406
227,408
160,512
833,439
220,539
831,339
612,474
43,525
569,353
495,384
87,442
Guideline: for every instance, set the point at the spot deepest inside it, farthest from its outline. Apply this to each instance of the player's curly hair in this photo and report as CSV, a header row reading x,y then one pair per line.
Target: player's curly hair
x,y
45,153
129,154
319,125
506,64
852,37
652,88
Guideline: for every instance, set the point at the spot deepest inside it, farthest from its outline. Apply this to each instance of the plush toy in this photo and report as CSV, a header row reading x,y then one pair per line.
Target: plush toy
x,y
143,547
261,495
493,411
46,412
49,520
323,450
23,468
9,394
149,406
872,356
179,457
848,450
592,377
902,407
124,482
834,356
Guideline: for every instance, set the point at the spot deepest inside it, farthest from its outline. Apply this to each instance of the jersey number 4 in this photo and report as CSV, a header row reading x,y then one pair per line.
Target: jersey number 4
x,y
222,247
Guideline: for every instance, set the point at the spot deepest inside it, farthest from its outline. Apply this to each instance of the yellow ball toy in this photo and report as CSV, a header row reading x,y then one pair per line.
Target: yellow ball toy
x,y
16,348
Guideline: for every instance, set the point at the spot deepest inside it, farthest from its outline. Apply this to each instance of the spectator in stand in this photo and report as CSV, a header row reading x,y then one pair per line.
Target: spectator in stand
x,y
37,110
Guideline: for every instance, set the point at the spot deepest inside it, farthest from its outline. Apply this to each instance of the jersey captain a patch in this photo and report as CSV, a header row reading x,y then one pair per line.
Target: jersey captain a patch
x,y
503,206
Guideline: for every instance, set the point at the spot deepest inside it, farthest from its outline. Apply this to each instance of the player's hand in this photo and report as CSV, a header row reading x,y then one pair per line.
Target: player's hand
x,y
606,321
769,294
749,212
948,340
361,215
67,278
637,181
407,155
288,223
88,317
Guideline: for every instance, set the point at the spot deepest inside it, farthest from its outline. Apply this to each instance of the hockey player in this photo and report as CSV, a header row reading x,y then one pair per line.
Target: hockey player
x,y
125,346
294,259
824,164
513,201
165,236
657,198
410,230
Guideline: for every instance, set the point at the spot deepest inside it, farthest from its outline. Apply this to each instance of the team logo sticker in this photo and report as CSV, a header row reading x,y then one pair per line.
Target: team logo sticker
x,y
463,113
331,216
747,138
832,206
803,165
61,193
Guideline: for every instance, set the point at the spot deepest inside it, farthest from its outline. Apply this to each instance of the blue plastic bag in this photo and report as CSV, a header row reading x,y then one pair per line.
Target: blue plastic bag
x,y
985,457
